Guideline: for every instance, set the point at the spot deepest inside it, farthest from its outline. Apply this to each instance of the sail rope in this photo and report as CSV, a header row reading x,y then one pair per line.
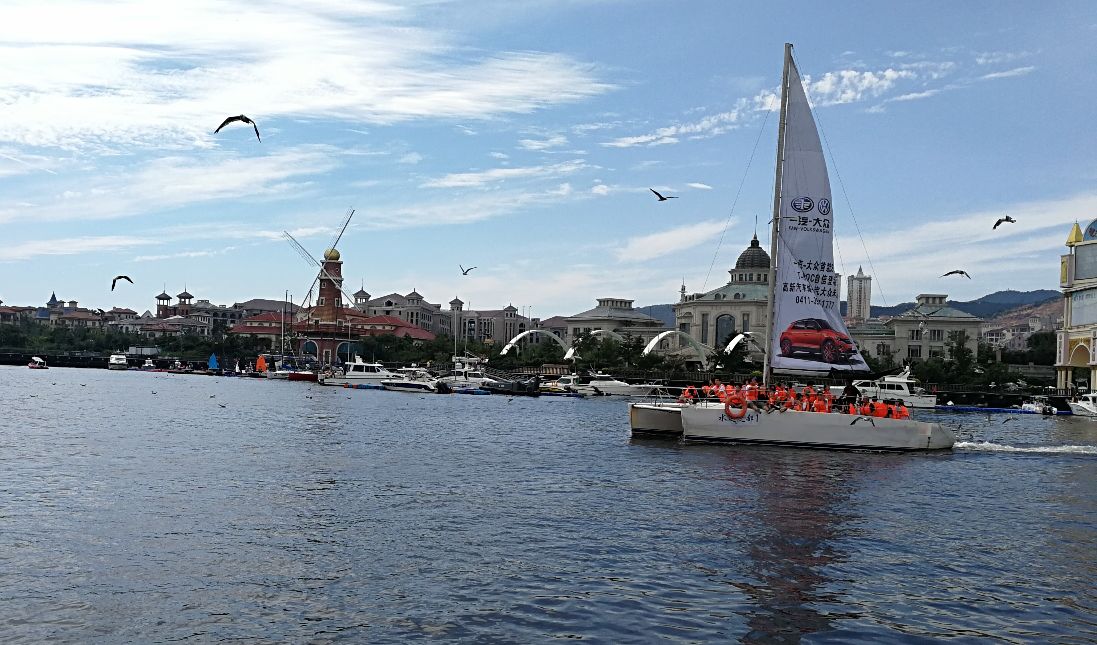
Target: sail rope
x,y
849,205
735,201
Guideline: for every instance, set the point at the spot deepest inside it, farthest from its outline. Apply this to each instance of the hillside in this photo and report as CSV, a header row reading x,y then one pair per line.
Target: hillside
x,y
987,306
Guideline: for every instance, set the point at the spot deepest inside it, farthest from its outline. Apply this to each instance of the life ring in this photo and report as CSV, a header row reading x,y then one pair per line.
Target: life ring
x,y
736,400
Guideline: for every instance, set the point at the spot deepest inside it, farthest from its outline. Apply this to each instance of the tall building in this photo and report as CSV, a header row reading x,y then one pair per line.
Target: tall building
x,y
716,316
859,297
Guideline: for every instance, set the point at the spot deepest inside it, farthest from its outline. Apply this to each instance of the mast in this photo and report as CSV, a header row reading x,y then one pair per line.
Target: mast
x,y
767,375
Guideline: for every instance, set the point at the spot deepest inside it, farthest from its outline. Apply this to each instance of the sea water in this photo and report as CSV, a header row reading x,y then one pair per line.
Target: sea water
x,y
156,507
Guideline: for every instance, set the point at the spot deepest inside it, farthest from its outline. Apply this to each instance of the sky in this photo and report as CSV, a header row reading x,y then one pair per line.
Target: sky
x,y
522,138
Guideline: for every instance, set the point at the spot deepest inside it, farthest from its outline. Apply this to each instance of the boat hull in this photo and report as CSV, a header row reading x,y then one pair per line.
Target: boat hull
x,y
656,419
832,431
1082,410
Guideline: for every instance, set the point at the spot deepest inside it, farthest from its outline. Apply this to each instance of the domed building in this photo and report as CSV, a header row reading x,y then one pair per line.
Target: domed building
x,y
742,304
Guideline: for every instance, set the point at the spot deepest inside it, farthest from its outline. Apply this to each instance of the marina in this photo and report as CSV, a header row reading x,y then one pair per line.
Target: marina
x,y
139,509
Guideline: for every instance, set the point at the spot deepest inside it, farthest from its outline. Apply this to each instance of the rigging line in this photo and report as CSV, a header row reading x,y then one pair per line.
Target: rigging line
x,y
727,222
849,204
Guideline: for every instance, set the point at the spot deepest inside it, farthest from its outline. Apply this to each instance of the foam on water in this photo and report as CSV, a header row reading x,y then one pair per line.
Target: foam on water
x,y
986,446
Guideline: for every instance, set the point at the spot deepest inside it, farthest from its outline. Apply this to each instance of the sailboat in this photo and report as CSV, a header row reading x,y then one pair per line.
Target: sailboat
x,y
807,335
212,366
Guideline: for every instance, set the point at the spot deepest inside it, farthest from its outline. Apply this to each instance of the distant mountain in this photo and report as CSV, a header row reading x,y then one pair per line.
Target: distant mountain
x,y
988,306
664,313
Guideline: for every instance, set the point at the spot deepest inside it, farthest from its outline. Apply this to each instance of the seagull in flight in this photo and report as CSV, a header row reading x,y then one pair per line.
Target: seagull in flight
x,y
957,272
1003,220
661,198
241,118
465,271
117,278
864,418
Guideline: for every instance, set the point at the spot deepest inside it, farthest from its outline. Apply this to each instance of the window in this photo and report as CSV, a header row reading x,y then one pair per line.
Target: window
x,y
704,329
914,352
746,322
936,334
684,328
915,334
936,353
320,302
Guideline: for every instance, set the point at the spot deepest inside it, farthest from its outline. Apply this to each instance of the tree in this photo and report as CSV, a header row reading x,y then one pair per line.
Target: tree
x,y
1041,348
962,357
733,361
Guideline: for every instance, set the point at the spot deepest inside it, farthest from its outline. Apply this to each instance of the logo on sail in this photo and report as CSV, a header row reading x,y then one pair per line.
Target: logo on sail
x,y
802,204
824,206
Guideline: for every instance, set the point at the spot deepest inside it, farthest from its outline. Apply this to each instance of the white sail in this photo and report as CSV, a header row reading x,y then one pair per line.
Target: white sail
x,y
807,332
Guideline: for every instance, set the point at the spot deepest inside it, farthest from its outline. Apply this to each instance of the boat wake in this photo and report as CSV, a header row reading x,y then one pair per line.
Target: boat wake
x,y
984,446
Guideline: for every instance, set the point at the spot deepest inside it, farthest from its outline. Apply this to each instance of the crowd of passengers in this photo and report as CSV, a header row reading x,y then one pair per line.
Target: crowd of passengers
x,y
782,397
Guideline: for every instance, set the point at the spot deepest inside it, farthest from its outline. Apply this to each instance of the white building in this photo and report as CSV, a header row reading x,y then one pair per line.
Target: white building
x,y
859,297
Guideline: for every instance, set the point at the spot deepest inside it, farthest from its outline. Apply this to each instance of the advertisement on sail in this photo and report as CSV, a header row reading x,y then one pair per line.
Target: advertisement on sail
x,y
808,333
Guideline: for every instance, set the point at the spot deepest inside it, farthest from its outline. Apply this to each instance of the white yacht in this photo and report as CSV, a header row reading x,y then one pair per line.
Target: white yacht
x,y
148,364
802,238
358,372
897,386
117,362
415,379
603,384
467,373
1086,406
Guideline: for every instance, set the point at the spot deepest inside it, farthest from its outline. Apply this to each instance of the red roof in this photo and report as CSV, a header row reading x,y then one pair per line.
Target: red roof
x,y
117,310
270,316
244,328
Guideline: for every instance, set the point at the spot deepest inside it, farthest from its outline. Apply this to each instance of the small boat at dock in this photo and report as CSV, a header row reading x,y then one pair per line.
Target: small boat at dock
x,y
37,363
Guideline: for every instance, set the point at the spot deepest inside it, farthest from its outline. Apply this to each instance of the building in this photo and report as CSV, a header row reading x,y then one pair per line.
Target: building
x,y
858,297
410,308
1076,342
257,306
742,304
920,333
489,325
269,326
616,315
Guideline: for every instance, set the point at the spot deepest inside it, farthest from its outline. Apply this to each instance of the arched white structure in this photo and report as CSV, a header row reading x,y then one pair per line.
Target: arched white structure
x,y
513,341
747,336
570,354
702,350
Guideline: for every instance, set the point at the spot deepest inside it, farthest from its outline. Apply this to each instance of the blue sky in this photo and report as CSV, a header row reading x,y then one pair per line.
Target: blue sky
x,y
522,138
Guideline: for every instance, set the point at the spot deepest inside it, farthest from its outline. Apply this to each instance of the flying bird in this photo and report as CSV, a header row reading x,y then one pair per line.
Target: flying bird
x,y
241,118
222,405
114,282
957,272
465,271
1007,419
1003,220
860,418
661,198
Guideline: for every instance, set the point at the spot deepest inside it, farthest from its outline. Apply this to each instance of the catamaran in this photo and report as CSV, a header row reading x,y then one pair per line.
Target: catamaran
x,y
807,335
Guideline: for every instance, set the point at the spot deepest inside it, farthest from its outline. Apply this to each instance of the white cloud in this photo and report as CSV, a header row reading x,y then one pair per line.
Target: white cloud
x,y
600,189
653,245
1009,73
499,155
914,96
183,254
88,75
993,58
554,141
470,179
71,246
174,181
699,186
410,158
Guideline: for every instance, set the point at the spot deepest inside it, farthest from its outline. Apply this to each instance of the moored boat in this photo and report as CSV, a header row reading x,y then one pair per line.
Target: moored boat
x,y
900,386
599,384
1085,406
358,372
37,363
117,362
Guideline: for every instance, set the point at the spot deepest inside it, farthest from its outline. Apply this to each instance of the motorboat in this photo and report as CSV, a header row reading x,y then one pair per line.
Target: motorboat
x,y
358,372
467,372
416,379
1040,405
117,362
527,387
148,364
37,363
598,384
1085,406
896,386
805,289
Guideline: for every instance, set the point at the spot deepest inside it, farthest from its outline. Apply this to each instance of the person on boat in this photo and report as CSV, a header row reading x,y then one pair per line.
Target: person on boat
x,y
879,408
901,411
866,407
850,393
